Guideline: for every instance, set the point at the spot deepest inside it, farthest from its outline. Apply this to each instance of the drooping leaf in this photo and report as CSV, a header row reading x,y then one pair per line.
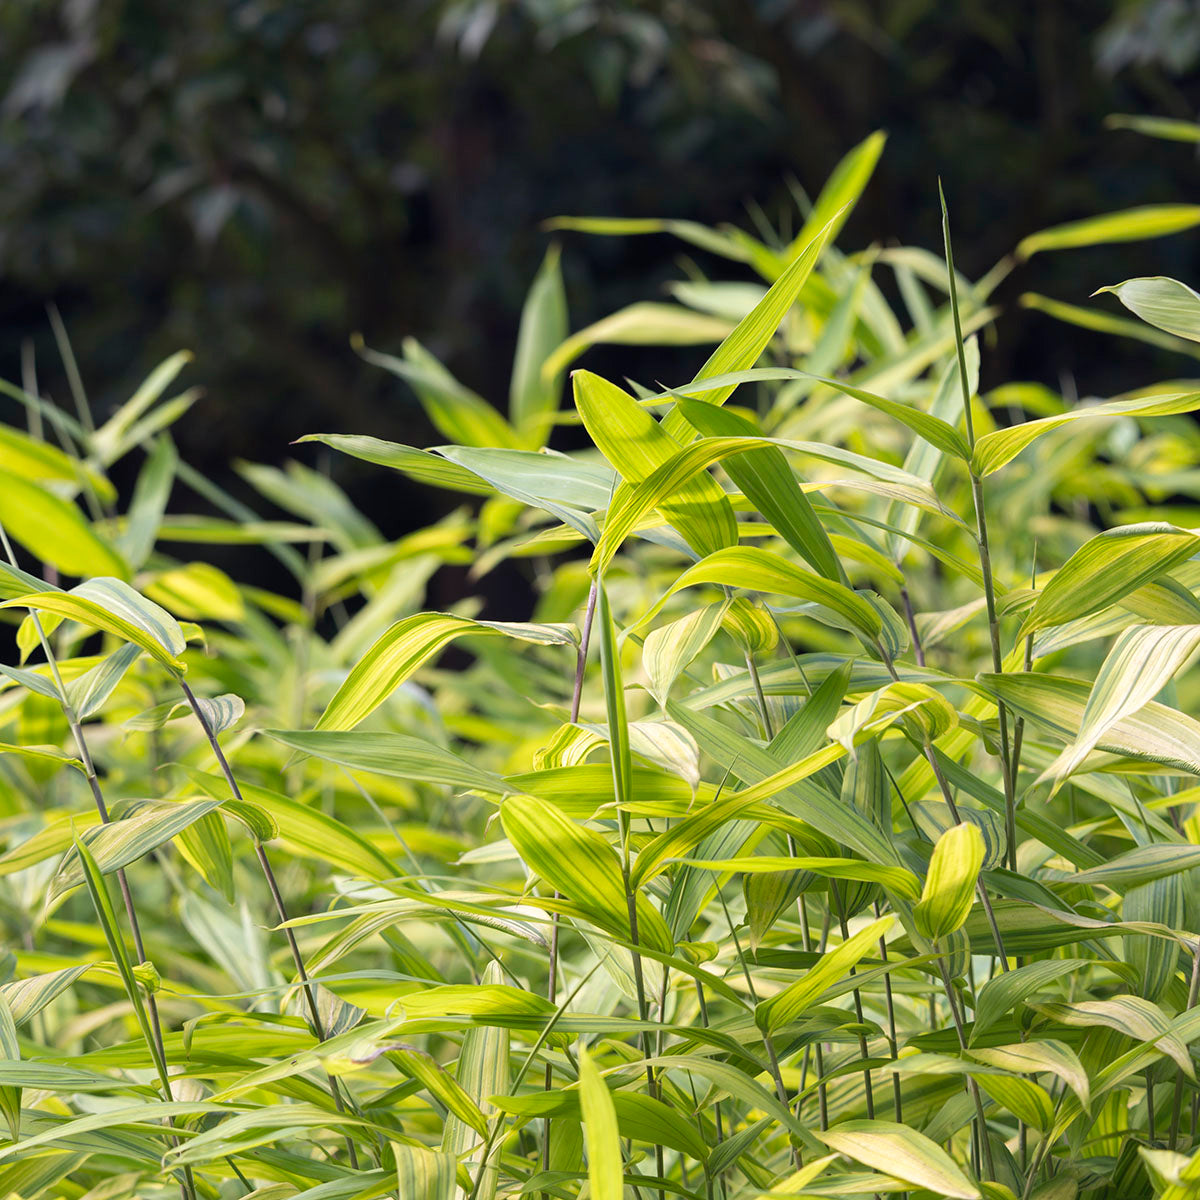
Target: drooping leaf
x,y
404,647
950,883
901,1152
600,1132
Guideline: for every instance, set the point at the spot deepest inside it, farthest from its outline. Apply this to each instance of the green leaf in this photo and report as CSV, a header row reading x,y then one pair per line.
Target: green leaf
x,y
1155,733
1162,302
303,829
1107,568
746,343
110,439
149,502
107,917
1036,1056
771,482
1000,994
831,968
669,649
1133,1016
600,1132
419,465
119,843
768,482
53,529
641,324
840,194
580,864
636,446
1142,661
1130,225
765,571
950,884
1104,322
483,1073
391,754
405,646
993,450
424,1174
456,411
1171,129
897,879
902,1153
532,396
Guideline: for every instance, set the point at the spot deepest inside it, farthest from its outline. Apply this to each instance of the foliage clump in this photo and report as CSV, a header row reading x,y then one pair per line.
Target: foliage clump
x,y
828,828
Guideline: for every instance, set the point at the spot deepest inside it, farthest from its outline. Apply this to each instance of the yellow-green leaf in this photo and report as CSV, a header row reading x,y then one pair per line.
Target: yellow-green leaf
x,y
950,884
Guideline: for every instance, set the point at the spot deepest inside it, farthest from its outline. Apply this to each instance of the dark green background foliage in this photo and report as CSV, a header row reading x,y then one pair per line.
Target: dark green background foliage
x,y
257,180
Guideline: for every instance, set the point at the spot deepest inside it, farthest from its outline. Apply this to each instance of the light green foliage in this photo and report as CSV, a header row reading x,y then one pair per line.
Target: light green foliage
x,y
827,824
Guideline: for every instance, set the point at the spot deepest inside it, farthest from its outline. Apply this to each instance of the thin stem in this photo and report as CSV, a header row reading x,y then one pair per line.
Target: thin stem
x,y
948,796
306,986
1177,1101
893,1040
818,1052
972,1086
158,1049
985,556
913,632
585,638
767,1040
863,1048
763,711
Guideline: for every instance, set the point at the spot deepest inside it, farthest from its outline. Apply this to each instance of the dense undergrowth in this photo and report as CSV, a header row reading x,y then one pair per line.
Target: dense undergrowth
x,y
830,829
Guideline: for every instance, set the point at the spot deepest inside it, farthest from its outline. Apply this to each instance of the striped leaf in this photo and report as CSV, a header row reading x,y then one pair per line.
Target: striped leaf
x,y
1038,1056
1129,225
483,1072
408,644
600,1133
669,649
122,842
391,754
10,1054
1165,303
55,530
1133,1016
1107,568
950,883
1161,902
113,606
580,864
89,691
636,446
994,450
424,1174
27,997
1155,733
1003,992
764,571
1142,661
901,1153
831,968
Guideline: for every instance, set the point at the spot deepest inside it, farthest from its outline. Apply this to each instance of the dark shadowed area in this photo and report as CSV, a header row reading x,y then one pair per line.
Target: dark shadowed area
x,y
257,180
